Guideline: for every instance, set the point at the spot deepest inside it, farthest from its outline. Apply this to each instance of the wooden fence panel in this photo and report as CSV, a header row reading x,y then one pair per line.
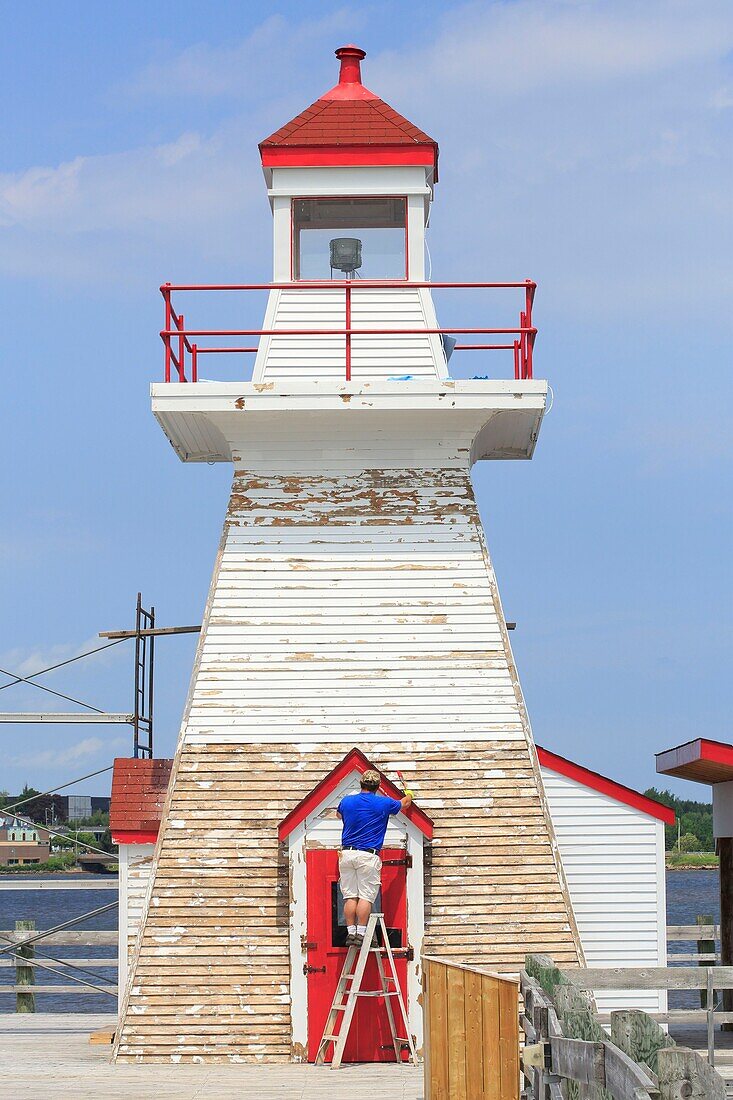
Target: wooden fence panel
x,y
472,1033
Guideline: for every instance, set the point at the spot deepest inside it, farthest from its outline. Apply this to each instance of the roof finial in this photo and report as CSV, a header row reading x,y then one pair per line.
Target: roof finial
x,y
350,57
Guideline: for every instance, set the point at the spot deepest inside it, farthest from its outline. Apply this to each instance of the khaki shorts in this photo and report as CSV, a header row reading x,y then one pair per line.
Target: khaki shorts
x,y
360,874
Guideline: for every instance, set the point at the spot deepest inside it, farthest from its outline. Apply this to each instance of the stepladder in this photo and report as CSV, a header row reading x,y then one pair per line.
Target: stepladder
x,y
349,991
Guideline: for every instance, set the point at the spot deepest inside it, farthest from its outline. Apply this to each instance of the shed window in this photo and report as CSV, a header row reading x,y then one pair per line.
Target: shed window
x,y
357,238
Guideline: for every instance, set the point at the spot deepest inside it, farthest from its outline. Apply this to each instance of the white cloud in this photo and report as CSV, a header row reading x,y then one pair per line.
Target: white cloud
x,y
520,47
26,662
268,61
87,750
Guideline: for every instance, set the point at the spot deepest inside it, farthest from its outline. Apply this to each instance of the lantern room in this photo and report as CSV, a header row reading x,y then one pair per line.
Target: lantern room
x,y
350,182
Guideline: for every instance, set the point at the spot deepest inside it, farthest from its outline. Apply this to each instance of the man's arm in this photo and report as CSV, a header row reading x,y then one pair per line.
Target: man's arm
x,y
406,801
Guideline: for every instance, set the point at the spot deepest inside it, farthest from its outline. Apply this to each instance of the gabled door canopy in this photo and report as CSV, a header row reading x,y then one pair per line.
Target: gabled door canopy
x,y
355,760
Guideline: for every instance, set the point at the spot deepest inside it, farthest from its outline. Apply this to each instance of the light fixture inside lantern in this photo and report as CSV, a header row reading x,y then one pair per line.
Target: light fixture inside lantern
x,y
345,255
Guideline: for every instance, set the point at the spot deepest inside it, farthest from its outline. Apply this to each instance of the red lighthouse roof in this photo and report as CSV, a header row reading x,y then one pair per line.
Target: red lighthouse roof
x,y
349,125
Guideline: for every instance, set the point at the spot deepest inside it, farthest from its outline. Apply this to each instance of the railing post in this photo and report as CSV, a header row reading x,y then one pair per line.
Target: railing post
x,y
711,1018
516,359
194,362
25,975
181,349
529,299
348,331
167,338
705,947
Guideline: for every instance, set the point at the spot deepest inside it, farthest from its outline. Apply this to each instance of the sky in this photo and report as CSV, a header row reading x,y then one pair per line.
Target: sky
x,y
586,145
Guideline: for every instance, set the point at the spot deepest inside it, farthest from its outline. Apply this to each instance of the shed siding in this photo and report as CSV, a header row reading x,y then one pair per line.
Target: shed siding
x,y
346,610
611,856
135,863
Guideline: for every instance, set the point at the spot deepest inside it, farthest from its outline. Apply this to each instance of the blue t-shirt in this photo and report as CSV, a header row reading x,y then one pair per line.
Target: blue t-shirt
x,y
365,817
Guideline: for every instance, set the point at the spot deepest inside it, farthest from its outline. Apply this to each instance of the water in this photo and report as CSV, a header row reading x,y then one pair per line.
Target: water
x,y
688,893
48,910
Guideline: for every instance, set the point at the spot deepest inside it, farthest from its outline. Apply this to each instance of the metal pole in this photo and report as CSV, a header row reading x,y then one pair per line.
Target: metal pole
x,y
711,1018
167,339
348,331
151,667
138,644
181,350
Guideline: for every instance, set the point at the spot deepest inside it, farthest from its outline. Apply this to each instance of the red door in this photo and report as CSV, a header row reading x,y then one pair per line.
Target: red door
x,y
369,1037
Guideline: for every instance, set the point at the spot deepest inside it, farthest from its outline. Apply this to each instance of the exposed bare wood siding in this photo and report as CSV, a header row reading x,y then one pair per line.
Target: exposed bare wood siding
x,y
347,610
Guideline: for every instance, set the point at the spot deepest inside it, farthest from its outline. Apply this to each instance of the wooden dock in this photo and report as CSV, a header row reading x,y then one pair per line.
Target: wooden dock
x,y
44,1056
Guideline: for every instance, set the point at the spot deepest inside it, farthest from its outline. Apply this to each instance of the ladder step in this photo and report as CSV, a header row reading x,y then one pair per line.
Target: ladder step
x,y
376,993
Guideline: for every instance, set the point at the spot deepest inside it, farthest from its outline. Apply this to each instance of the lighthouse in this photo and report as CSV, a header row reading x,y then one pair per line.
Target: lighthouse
x,y
353,620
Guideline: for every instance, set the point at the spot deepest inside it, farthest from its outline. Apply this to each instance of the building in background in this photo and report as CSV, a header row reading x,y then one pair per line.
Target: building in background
x,y
22,843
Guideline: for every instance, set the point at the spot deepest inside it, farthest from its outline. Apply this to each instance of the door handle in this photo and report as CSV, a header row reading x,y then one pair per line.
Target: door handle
x,y
313,969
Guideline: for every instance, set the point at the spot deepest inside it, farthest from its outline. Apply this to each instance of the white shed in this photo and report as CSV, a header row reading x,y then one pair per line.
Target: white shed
x,y
611,841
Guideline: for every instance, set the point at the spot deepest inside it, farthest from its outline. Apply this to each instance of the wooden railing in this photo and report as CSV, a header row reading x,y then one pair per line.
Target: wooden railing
x,y
568,1053
710,979
471,1049
79,974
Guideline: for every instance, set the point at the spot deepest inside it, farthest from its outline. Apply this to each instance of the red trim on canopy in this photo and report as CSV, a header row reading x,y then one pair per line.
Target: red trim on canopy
x,y
606,786
701,760
304,156
353,761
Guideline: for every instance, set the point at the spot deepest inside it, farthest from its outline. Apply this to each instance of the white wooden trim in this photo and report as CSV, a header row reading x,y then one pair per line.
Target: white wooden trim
x,y
298,936
661,907
122,903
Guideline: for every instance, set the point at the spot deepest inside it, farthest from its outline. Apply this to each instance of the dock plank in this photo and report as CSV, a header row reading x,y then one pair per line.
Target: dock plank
x,y
58,1059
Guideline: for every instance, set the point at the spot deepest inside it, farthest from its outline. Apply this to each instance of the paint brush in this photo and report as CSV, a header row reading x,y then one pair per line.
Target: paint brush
x,y
402,780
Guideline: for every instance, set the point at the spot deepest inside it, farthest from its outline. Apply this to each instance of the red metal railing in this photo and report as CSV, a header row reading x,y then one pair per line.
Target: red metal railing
x,y
181,349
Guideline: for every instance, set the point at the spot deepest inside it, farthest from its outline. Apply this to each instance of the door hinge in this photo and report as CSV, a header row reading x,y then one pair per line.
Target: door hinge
x,y
406,862
307,945
313,969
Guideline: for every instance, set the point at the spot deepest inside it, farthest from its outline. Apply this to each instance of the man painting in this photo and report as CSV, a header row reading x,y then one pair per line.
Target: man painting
x,y
365,817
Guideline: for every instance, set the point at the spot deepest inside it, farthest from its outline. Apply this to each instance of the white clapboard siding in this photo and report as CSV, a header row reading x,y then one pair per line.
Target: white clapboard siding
x,y
135,863
348,609
424,559
324,356
613,856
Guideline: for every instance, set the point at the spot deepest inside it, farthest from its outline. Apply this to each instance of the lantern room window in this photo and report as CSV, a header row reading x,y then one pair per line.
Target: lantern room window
x,y
350,238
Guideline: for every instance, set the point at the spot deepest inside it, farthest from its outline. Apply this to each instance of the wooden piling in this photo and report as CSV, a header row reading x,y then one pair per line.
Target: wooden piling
x,y
638,1035
684,1075
25,975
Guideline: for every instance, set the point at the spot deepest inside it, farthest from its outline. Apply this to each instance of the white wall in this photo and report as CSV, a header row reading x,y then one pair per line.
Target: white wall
x,y
613,856
135,864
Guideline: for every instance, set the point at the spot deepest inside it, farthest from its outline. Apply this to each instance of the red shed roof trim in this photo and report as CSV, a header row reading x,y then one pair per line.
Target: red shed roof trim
x,y
349,117
610,787
353,761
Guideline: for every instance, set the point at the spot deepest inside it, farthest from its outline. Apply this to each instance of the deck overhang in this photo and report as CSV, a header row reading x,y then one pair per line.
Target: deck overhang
x,y
210,421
